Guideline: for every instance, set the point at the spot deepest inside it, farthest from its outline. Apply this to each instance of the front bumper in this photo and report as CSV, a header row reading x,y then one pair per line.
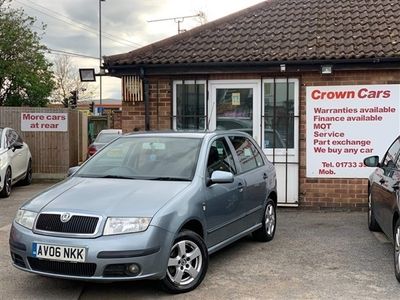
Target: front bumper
x,y
149,249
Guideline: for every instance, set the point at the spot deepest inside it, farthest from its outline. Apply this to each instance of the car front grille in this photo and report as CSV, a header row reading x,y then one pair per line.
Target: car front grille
x,y
62,268
77,224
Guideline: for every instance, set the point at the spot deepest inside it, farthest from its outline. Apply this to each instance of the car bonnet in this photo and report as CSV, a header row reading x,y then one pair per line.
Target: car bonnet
x,y
107,197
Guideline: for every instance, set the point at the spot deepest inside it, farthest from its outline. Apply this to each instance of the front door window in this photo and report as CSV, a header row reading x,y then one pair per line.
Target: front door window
x,y
235,105
235,109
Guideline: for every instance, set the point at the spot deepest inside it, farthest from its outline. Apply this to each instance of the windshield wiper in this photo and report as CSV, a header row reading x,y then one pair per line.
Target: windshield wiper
x,y
169,178
116,176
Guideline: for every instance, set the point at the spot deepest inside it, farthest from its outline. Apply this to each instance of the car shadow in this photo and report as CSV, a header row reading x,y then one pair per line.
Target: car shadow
x,y
151,289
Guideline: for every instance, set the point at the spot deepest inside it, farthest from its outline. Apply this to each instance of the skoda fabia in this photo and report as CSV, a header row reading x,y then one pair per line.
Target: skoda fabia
x,y
149,206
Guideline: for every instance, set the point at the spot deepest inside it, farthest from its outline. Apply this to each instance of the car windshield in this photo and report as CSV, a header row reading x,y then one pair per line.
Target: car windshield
x,y
106,137
150,158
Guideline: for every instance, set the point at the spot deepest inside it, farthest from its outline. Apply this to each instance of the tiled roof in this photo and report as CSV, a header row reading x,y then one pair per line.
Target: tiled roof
x,y
283,30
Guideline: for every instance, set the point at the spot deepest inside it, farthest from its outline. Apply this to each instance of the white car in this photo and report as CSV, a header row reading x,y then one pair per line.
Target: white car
x,y
15,161
103,138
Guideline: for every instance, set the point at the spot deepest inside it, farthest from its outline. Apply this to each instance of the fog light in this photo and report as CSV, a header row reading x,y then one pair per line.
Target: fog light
x,y
133,269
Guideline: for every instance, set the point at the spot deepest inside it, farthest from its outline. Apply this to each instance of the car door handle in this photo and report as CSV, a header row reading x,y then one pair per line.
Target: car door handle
x,y
396,186
382,181
240,187
265,176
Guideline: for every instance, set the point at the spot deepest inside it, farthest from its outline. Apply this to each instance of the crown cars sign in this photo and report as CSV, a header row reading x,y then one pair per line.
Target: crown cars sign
x,y
347,123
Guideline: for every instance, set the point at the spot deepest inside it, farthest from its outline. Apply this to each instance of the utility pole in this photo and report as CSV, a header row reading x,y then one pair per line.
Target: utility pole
x,y
100,59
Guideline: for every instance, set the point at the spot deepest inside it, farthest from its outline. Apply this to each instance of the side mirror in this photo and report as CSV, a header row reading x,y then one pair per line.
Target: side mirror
x,y
16,145
372,161
221,177
72,170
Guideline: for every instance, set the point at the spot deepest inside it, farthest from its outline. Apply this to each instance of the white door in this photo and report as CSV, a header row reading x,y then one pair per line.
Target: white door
x,y
271,118
280,139
235,104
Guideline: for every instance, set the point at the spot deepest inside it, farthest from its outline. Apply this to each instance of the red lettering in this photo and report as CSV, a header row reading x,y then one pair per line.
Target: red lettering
x,y
316,94
386,94
332,95
363,93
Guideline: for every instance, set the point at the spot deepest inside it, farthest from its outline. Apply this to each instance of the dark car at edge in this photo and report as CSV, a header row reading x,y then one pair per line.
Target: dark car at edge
x,y
384,197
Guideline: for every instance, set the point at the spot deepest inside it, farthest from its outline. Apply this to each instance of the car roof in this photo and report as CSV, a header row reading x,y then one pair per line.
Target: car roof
x,y
186,134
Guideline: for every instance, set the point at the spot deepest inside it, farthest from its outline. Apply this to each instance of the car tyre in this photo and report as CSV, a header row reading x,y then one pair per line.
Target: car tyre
x,y
397,250
267,231
28,177
187,264
6,191
372,223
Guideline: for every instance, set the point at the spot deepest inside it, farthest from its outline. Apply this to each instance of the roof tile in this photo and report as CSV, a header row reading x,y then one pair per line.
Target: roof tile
x,y
282,30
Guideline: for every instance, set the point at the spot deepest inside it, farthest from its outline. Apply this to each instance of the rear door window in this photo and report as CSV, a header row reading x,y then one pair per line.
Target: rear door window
x,y
248,155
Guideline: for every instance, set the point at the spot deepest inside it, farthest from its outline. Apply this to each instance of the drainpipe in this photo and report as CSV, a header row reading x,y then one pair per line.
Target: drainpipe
x,y
146,100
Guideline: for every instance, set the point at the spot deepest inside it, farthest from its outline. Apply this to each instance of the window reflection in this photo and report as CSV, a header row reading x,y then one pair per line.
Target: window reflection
x,y
279,115
190,106
235,109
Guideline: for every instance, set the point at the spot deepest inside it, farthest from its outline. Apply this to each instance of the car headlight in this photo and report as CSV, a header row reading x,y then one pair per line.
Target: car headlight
x,y
25,218
125,225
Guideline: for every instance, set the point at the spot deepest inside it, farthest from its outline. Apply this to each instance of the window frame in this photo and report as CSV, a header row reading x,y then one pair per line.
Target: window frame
x,y
174,100
296,95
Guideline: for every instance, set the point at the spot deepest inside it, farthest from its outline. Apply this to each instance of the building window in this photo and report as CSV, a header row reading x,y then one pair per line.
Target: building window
x,y
279,113
189,111
235,109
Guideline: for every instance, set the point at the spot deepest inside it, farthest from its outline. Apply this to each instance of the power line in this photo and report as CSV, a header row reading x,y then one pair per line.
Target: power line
x,y
63,52
111,36
79,25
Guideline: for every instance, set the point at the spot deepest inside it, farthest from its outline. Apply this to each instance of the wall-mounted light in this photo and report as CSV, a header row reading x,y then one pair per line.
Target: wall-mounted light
x,y
283,68
326,69
87,75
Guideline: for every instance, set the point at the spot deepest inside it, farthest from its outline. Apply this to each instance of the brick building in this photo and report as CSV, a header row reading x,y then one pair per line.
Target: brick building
x,y
275,70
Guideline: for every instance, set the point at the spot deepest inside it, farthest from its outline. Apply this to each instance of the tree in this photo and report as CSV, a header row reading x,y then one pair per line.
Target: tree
x,y
25,74
66,80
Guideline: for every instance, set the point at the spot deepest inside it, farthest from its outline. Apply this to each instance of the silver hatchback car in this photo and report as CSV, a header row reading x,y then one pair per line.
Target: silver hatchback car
x,y
149,206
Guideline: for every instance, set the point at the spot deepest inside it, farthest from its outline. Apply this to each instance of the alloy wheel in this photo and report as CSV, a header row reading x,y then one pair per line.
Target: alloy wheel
x,y
369,209
185,262
270,219
397,250
8,182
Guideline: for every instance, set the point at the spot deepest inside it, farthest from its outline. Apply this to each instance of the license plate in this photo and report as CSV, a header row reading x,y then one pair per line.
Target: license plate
x,y
61,253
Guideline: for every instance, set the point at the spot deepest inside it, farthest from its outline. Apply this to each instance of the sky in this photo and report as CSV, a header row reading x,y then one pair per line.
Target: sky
x,y
73,26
